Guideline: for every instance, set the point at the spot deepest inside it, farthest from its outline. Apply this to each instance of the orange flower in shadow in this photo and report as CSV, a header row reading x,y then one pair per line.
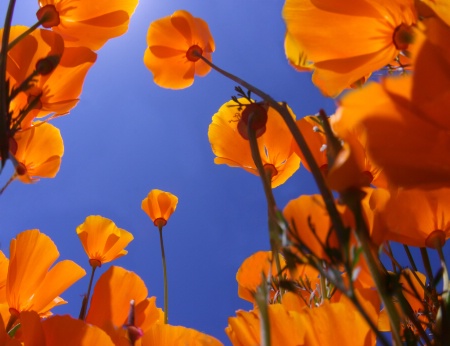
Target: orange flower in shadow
x,y
55,91
174,45
408,112
417,217
275,144
159,206
60,330
349,41
110,306
31,284
102,240
38,154
85,25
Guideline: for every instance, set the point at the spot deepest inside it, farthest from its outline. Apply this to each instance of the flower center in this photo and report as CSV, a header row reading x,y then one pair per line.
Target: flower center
x,y
194,52
48,16
259,120
21,169
436,239
95,263
160,222
403,36
270,170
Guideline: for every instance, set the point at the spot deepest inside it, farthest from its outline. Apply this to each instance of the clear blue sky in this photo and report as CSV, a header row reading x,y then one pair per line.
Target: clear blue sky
x,y
128,136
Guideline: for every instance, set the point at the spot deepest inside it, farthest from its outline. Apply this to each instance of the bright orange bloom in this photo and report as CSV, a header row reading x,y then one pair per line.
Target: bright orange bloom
x,y
249,274
111,314
85,25
55,92
159,206
418,217
31,284
349,41
275,144
330,324
165,334
174,43
39,152
102,240
60,330
408,112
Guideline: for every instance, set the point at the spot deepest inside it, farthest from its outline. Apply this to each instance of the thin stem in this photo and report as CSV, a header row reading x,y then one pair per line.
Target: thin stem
x,y
271,205
410,258
84,305
317,174
4,89
377,271
427,265
261,298
166,290
24,34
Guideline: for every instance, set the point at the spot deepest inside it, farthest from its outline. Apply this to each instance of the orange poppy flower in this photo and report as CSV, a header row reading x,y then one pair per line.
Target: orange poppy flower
x,y
173,44
249,274
285,327
275,144
349,41
165,334
111,314
418,217
407,111
60,330
31,283
102,240
159,206
55,92
38,154
85,25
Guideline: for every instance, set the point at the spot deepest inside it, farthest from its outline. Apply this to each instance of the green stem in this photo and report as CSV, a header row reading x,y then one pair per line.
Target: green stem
x,y
377,271
84,305
271,205
4,87
290,122
166,290
410,258
24,34
427,265
261,298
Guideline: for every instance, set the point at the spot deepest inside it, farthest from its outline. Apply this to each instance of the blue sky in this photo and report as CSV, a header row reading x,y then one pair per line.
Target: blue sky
x,y
128,136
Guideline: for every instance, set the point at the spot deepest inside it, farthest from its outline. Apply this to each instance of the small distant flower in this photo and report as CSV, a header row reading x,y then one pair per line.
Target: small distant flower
x,y
233,149
32,283
102,240
85,24
347,42
38,152
174,45
159,206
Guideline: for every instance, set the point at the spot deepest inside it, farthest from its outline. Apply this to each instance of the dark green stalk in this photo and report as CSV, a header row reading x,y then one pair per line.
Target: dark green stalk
x,y
84,305
166,289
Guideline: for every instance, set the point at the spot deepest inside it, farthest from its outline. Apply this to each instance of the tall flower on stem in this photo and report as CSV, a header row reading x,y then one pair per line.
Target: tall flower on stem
x,y
159,206
175,44
103,242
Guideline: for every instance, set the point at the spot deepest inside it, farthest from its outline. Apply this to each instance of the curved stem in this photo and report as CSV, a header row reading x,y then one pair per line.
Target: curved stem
x,y
315,170
166,290
376,268
24,34
85,303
